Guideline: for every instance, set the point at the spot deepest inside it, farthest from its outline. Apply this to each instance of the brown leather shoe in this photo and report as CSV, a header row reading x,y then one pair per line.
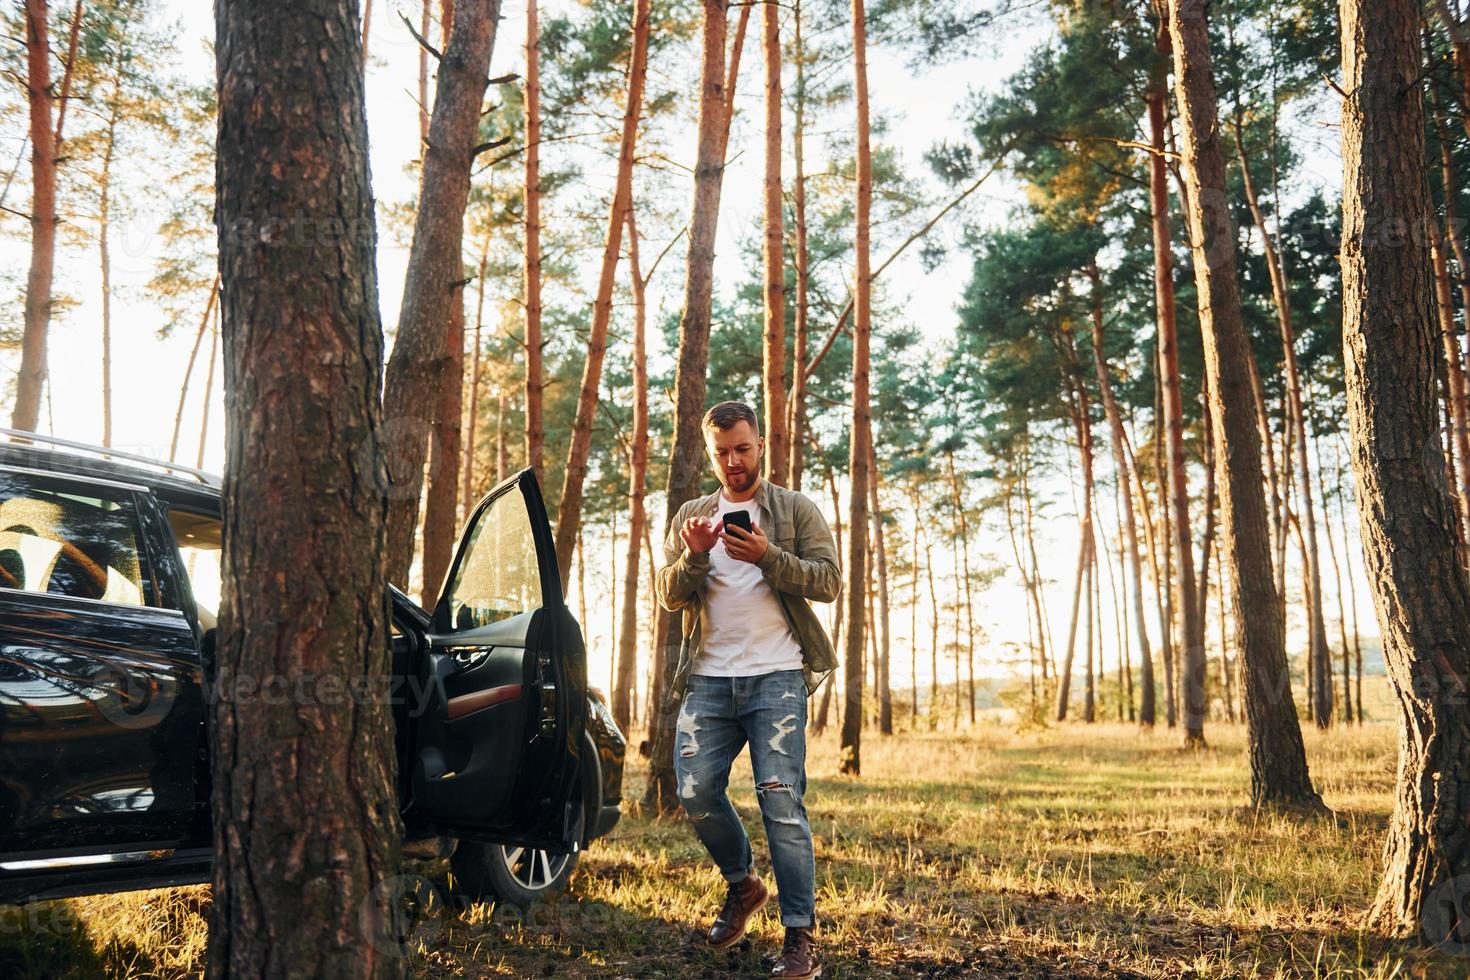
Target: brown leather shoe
x,y
743,900
798,955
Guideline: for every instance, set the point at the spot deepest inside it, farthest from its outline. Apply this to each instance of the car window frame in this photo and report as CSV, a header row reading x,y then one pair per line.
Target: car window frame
x,y
58,482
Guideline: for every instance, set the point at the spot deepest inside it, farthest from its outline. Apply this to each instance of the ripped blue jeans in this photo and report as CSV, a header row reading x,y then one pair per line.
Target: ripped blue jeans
x,y
718,717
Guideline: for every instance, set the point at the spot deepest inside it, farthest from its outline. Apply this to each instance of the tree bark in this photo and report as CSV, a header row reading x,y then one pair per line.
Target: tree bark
x,y
441,503
173,445
1347,672
1168,360
569,514
1407,520
208,393
690,385
535,373
367,24
472,415
422,352
300,890
964,533
881,686
773,358
32,377
1166,584
850,759
622,694
1278,760
796,431
1455,380
1130,530
104,251
1316,617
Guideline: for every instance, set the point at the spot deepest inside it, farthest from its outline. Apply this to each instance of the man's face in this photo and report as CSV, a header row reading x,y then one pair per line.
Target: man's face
x,y
736,454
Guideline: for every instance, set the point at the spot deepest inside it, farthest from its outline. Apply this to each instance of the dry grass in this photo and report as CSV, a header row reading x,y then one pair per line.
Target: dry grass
x,y
1079,851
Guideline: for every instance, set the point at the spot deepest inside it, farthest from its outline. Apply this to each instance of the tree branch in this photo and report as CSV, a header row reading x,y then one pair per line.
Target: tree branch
x,y
423,42
485,147
847,310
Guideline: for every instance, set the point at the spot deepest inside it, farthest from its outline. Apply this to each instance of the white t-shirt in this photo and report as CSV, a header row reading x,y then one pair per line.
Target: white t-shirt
x,y
748,632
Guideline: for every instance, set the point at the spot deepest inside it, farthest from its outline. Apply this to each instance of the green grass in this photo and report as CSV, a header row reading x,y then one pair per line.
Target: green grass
x,y
1075,851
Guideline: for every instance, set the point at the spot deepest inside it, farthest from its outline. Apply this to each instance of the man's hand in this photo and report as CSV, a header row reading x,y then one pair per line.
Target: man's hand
x,y
744,545
699,534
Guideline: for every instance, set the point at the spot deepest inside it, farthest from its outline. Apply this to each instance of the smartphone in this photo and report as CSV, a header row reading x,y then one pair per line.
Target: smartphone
x,y
737,518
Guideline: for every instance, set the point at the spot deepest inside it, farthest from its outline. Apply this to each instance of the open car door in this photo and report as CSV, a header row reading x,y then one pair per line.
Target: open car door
x,y
504,684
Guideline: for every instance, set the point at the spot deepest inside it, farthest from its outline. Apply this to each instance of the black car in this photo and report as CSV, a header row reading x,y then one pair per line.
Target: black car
x,y
507,761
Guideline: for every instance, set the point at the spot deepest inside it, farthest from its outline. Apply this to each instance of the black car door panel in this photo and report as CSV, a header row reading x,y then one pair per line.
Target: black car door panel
x,y
504,683
100,705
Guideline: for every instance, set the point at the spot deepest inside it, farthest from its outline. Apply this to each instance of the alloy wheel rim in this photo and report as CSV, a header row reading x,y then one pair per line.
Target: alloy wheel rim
x,y
533,868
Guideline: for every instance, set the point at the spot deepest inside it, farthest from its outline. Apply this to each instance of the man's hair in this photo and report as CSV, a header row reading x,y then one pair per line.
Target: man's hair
x,y
726,414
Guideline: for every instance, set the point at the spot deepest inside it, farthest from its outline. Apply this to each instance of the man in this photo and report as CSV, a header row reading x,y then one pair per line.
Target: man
x,y
753,653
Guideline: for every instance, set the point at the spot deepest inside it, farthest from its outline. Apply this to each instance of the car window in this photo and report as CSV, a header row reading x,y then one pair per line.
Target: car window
x,y
59,539
199,537
498,577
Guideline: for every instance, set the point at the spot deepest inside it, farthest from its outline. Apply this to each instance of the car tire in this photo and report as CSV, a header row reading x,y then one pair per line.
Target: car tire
x,y
520,876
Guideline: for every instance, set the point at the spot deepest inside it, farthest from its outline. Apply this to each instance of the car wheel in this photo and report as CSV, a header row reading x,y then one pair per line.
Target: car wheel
x,y
520,876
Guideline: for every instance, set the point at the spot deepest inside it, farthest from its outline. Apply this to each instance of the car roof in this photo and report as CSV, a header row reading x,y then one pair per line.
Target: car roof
x,y
51,454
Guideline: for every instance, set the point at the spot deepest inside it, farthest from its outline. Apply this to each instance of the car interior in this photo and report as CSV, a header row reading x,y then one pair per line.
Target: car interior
x,y
68,544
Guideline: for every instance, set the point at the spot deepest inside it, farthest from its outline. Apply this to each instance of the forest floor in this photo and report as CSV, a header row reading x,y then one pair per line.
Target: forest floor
x,y
1074,851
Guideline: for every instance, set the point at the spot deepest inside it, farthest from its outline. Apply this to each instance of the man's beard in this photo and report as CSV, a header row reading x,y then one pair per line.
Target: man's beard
x,y
747,480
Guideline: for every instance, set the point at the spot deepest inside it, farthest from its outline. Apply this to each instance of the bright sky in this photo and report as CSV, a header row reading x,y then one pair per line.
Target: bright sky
x,y
922,109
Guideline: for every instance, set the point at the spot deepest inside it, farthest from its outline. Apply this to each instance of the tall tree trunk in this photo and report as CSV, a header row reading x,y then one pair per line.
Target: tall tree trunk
x,y
472,415
1130,531
1082,422
425,19
1177,510
773,358
173,445
535,373
422,352
1347,550
1278,760
1316,618
502,447
367,24
441,510
687,456
1273,487
1089,699
1171,708
933,631
1043,624
1407,520
32,376
622,694
1212,484
208,396
964,533
569,513
104,252
1454,376
441,503
914,625
797,405
1064,671
1347,673
850,760
300,889
881,686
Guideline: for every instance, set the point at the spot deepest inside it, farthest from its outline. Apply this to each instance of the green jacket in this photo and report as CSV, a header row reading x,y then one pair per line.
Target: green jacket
x,y
800,563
